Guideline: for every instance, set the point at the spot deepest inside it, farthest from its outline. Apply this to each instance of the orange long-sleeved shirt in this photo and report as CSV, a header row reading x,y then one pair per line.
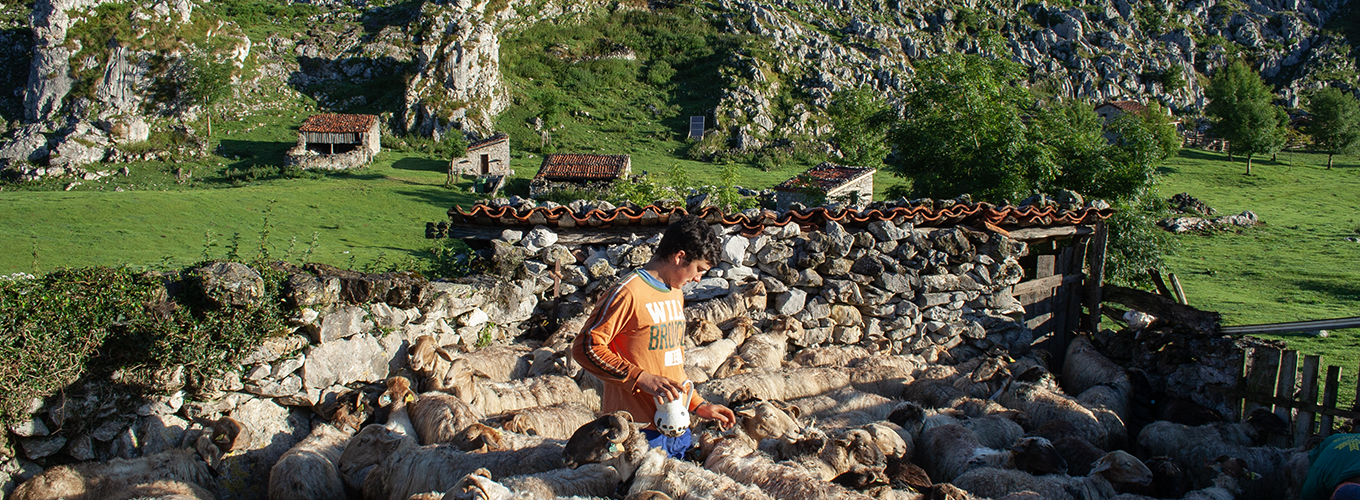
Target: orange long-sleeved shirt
x,y
638,327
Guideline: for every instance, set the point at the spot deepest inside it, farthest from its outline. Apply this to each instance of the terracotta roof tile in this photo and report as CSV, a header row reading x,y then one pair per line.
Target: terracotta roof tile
x,y
1125,106
495,139
828,176
338,123
573,167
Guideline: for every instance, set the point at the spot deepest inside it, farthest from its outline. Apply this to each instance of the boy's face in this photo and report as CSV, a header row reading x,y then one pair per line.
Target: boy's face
x,y
684,272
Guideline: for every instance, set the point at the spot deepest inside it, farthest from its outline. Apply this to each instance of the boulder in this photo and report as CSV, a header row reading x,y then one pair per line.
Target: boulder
x,y
705,289
307,290
359,358
229,284
273,430
790,302
342,322
734,249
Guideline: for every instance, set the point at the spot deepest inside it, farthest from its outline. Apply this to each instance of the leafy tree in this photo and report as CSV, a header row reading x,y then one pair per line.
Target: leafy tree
x,y
205,82
861,121
971,127
1335,124
1242,112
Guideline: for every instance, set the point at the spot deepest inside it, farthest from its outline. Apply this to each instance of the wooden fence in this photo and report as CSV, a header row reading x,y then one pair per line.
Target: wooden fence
x,y
1273,379
1054,296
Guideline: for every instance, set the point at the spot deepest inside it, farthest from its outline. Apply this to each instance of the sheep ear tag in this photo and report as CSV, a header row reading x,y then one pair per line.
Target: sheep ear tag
x,y
410,398
672,417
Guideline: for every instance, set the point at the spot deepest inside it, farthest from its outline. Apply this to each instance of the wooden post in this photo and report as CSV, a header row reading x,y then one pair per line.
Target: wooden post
x,y
1261,375
1076,263
1303,429
1284,386
1234,399
1329,399
1161,285
1096,258
1180,293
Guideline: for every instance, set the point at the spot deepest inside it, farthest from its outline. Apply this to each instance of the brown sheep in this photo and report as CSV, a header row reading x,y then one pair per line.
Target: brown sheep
x,y
126,478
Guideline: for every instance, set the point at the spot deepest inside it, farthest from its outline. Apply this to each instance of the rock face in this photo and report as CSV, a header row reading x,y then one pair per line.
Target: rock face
x,y
457,82
230,284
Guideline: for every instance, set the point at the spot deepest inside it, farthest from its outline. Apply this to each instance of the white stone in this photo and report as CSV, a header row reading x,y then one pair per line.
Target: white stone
x,y
475,317
287,367
259,372
512,236
790,302
342,323
539,238
734,249
705,289
359,358
33,427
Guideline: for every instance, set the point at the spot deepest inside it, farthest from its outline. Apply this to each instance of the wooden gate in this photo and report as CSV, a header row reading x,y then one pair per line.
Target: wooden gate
x,y
1273,379
1060,286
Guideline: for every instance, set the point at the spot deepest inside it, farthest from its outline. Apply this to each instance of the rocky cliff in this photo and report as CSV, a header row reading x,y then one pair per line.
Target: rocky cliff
x,y
431,67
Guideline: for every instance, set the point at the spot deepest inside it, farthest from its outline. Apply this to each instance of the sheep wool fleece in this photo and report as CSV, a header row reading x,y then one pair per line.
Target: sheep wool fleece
x,y
1335,460
639,327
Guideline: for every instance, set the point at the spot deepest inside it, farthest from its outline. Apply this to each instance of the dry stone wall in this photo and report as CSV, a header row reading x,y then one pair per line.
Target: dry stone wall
x,y
936,294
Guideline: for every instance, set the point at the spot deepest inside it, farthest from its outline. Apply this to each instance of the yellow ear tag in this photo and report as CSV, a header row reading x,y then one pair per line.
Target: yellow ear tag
x,y
1254,476
410,398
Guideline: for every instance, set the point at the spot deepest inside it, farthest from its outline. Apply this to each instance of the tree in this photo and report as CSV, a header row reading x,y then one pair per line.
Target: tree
x,y
861,121
1242,112
1335,124
205,82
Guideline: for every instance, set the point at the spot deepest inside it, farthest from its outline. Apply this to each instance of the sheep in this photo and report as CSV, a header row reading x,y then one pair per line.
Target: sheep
x,y
734,455
766,351
128,478
947,451
848,450
481,438
748,297
1079,453
549,361
499,363
397,396
701,331
438,417
889,439
308,470
393,466
1163,437
430,362
1115,467
587,480
836,404
495,398
1168,481
765,420
994,431
831,355
881,378
707,358
1041,405
936,394
615,441
1084,368
557,421
785,385
735,365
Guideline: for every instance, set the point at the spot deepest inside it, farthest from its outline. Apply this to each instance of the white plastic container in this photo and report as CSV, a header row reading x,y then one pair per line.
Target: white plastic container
x,y
672,417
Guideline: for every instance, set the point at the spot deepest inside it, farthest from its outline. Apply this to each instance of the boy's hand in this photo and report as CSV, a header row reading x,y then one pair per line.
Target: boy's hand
x,y
656,385
721,413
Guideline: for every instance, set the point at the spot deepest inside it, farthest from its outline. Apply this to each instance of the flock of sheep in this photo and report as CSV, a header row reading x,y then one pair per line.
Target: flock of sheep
x,y
828,422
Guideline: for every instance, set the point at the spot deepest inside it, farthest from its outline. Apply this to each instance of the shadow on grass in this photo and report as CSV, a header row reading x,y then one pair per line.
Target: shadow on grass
x,y
439,199
1200,154
421,165
1340,291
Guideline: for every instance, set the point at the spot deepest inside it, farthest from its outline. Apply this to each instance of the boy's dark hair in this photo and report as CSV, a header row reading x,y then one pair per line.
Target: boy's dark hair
x,y
691,234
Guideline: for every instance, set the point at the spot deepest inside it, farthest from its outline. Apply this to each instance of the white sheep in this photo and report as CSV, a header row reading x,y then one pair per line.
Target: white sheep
x,y
481,438
785,385
438,416
830,355
734,455
1041,405
705,359
947,451
557,421
1115,467
1084,367
309,469
614,440
748,297
124,478
393,466
766,351
587,480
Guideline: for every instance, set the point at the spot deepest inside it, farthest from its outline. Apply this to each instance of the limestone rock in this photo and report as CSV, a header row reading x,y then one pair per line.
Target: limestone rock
x,y
790,302
273,430
734,249
343,322
308,290
359,358
273,348
705,289
229,284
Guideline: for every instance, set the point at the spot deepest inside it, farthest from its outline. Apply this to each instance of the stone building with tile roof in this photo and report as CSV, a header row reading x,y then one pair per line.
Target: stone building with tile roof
x,y
828,181
584,168
489,156
336,142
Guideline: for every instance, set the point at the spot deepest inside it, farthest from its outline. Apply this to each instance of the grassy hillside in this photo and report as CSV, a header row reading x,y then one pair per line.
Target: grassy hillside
x,y
1296,267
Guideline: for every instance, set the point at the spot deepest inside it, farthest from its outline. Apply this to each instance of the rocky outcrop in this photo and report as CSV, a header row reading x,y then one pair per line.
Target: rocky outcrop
x,y
457,82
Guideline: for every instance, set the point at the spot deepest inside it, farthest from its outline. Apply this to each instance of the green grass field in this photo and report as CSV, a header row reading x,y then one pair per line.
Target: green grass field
x,y
1296,267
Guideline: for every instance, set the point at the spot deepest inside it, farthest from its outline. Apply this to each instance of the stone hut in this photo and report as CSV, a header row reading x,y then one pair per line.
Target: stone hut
x,y
834,182
1110,110
336,142
490,156
579,169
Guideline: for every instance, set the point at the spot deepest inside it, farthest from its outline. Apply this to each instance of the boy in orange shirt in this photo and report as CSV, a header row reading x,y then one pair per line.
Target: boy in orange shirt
x,y
634,340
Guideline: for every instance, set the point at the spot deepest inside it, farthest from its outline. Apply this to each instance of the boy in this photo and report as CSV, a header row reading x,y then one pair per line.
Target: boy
x,y
1335,469
634,339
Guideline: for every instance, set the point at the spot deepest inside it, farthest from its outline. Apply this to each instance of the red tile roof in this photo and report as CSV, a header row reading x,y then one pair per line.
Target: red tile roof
x,y
1125,106
827,176
576,167
495,139
339,123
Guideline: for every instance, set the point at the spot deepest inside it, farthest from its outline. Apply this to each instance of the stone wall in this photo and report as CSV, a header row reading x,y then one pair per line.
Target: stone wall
x,y
498,152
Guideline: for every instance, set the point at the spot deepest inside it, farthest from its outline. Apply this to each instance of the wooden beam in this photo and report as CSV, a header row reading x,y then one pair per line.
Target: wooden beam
x,y
1262,374
1180,292
1029,234
1329,399
1157,280
1303,429
1044,284
1204,322
1299,405
1095,256
1284,386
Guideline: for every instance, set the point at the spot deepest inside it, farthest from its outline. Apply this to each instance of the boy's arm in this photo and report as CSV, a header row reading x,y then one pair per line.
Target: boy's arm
x,y
591,347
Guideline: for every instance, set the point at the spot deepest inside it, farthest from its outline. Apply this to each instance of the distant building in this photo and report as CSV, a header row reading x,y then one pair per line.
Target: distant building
x,y
830,182
490,156
336,142
579,169
1110,110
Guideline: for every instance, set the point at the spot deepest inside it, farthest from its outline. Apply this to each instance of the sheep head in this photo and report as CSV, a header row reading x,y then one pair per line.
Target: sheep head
x,y
1036,455
908,415
650,495
461,380
888,441
479,438
367,449
350,411
764,420
599,440
854,450
787,326
479,486
398,391
735,365
1261,424
229,434
1120,467
423,356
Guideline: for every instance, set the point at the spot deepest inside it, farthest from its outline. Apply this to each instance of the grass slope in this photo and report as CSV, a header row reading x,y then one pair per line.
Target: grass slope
x,y
1296,267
